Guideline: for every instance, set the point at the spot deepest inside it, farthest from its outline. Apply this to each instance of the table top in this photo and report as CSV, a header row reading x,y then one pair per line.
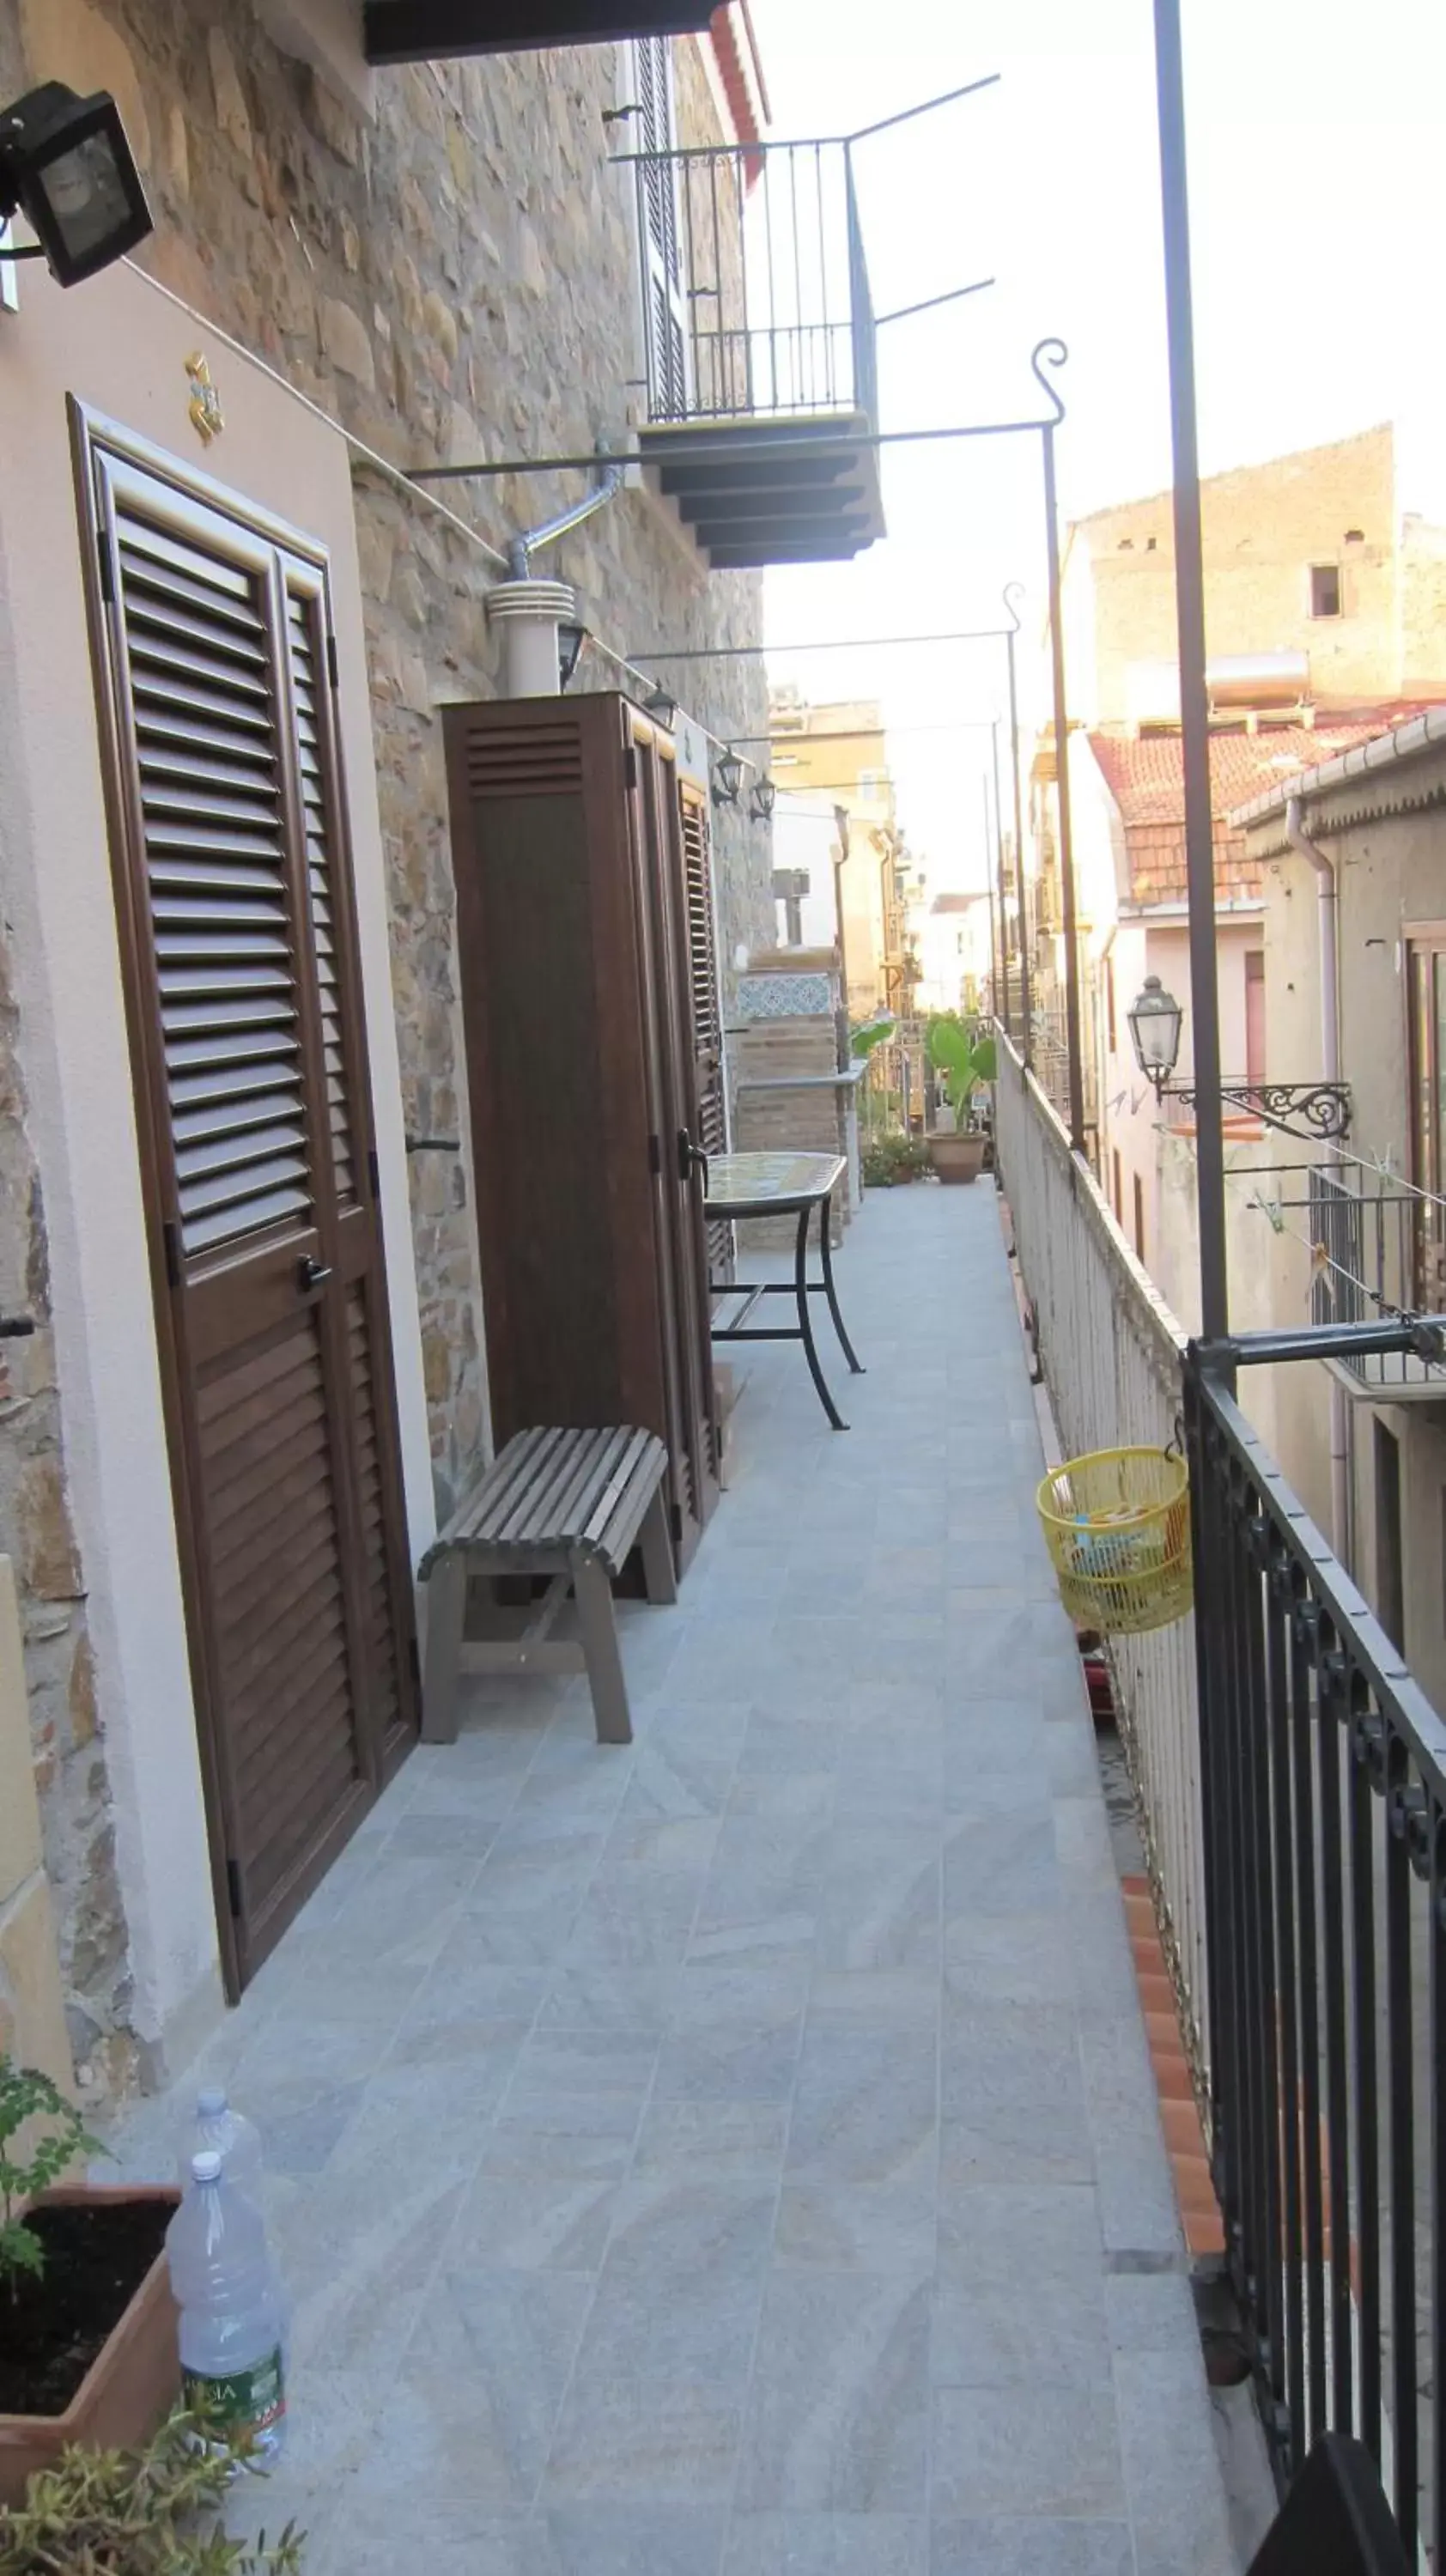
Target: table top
x,y
760,1184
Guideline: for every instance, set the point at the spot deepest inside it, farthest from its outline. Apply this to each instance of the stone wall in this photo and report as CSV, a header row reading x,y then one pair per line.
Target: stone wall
x,y
441,259
77,1886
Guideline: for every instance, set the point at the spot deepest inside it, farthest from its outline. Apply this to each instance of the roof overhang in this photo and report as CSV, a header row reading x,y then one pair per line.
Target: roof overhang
x,y
419,31
1372,769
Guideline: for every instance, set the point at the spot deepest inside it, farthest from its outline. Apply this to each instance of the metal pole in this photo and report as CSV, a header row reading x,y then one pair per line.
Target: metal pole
x,y
1194,702
1003,918
1022,897
1066,841
999,833
993,950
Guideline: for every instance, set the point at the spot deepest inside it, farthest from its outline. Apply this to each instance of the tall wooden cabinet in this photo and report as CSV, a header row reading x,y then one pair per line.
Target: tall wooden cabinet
x,y
589,991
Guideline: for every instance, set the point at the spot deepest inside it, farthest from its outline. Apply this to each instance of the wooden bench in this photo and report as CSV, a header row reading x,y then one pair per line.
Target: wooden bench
x,y
568,1504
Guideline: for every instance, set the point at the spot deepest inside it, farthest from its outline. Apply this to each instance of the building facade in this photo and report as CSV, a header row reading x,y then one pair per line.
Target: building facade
x,y
354,272
1322,627
836,756
1349,1236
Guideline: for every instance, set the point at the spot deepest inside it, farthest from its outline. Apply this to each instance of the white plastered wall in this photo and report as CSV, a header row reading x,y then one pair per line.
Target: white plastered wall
x,y
119,345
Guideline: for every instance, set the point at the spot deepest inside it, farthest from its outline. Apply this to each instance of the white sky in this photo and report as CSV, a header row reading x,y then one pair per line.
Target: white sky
x,y
1319,221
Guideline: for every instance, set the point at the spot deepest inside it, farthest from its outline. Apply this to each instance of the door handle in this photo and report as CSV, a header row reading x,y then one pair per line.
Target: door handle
x,y
311,1273
691,1158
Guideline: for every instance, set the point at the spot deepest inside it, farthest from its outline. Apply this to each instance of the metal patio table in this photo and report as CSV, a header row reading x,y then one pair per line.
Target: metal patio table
x,y
752,1185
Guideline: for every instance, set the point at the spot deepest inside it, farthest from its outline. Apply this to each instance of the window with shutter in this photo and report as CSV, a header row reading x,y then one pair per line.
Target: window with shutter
x,y
660,221
238,940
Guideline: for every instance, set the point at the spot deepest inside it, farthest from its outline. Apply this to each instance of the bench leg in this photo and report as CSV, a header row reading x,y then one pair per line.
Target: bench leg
x,y
659,1571
446,1617
600,1646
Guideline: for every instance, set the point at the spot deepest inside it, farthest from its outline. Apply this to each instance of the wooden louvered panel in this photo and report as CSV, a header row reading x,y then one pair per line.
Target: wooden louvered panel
x,y
379,1619
320,872
267,1494
544,759
211,796
707,1007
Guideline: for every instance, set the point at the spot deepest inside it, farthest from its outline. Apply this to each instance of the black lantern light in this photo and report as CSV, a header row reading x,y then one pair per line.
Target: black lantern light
x,y
1154,1018
727,778
663,708
570,641
66,165
763,800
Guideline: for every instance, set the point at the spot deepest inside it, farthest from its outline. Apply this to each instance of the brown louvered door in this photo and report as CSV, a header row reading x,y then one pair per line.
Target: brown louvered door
x,y
238,948
707,1008
658,838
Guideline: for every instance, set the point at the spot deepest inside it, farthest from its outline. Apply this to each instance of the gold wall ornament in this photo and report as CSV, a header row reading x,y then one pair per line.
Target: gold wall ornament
x,y
207,418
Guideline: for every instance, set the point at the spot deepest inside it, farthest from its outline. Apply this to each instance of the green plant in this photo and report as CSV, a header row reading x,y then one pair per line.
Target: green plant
x,y
25,2096
150,2512
872,1033
889,1159
965,1059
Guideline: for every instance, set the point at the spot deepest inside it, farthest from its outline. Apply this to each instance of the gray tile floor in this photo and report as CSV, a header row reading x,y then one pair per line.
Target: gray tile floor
x,y
739,2154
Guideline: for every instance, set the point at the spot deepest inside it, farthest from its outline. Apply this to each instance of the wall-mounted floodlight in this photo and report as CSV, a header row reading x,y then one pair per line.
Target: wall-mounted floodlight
x,y
66,165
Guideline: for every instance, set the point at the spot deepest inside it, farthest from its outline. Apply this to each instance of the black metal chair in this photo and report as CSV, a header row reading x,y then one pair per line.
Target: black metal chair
x,y
1335,2520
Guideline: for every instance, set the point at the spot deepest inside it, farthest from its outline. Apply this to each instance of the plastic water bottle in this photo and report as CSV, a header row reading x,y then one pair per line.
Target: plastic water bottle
x,y
232,2329
228,2134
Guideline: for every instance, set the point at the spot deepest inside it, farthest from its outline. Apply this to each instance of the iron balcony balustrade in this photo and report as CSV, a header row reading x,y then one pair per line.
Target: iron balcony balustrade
x,y
1323,1789
1292,1781
762,383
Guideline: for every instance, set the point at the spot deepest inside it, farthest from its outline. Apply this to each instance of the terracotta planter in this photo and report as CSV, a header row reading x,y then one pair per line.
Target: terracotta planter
x,y
957,1158
130,2386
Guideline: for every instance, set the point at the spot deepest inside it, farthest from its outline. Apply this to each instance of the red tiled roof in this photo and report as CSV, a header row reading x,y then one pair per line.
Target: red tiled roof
x,y
1146,778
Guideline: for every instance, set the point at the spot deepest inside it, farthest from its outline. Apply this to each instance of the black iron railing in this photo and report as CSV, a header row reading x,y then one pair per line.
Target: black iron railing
x,y
1324,1804
755,285
1377,1251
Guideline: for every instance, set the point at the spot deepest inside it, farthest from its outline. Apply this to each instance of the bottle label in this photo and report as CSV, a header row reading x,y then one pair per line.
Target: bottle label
x,y
245,2401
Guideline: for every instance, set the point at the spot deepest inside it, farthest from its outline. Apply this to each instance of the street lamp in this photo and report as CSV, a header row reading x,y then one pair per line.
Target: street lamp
x,y
1154,1018
763,800
1316,1111
727,777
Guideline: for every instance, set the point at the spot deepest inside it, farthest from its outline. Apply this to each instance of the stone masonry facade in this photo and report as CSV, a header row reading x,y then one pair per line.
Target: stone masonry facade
x,y
450,274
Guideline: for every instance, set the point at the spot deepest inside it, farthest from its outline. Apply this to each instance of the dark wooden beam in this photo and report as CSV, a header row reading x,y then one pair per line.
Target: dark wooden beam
x,y
419,31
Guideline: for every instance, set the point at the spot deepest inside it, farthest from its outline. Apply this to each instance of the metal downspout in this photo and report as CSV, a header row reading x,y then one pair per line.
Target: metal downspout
x,y
1327,916
521,550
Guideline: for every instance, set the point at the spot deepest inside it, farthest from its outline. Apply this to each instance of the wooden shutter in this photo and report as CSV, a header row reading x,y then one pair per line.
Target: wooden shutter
x,y
661,227
706,1000
238,948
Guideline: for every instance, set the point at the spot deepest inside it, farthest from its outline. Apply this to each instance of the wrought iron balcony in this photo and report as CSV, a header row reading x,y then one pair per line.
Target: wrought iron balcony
x,y
761,389
1292,1785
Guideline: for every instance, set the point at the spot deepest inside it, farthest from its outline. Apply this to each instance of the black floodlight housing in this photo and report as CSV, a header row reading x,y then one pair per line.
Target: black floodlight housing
x,y
66,165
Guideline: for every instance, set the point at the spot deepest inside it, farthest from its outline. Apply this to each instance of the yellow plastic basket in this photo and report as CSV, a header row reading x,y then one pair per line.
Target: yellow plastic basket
x,y
1118,1528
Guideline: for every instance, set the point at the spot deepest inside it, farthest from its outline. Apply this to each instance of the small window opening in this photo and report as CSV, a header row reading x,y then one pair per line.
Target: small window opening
x,y
1150,544
1325,590
1355,536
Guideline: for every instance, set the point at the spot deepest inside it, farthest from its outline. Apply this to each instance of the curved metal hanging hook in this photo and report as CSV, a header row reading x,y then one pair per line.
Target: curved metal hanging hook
x,y
1014,597
1051,353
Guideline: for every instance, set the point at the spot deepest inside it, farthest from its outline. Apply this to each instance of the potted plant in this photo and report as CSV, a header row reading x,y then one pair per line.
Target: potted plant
x,y
967,1061
87,2324
891,1160
146,2512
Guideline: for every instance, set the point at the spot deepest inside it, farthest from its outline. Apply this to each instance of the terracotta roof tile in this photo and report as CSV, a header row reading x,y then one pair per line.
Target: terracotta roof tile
x,y
1146,778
